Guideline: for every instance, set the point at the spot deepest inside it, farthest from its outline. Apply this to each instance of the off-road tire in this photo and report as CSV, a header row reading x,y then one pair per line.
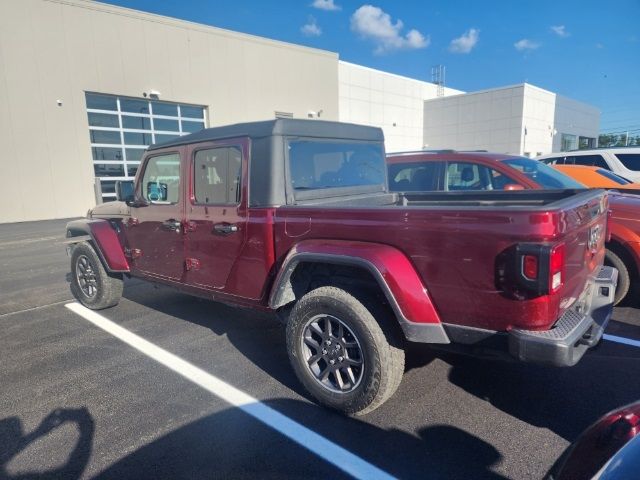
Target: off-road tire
x,y
379,339
624,279
108,285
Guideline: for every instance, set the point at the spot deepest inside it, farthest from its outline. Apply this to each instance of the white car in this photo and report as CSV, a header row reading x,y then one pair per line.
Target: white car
x,y
625,161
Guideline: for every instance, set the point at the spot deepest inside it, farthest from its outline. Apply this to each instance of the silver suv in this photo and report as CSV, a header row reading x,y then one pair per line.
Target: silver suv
x,y
625,161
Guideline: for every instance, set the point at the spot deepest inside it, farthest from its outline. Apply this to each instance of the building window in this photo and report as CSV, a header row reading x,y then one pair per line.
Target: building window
x,y
585,143
121,129
568,142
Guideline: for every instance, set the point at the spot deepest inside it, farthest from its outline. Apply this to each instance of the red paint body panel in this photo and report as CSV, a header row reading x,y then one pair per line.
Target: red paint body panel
x,y
454,253
109,245
394,267
600,442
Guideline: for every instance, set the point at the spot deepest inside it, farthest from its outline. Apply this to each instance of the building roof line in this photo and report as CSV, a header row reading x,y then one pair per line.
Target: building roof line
x,y
187,25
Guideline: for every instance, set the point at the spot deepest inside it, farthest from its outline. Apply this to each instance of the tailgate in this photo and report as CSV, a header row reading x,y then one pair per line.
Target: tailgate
x,y
582,226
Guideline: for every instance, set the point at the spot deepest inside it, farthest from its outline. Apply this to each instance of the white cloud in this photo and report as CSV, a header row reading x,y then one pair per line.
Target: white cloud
x,y
465,42
560,31
526,44
311,28
372,23
325,5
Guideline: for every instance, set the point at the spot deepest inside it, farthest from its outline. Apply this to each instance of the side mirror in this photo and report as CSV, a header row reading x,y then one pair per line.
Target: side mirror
x,y
513,186
124,190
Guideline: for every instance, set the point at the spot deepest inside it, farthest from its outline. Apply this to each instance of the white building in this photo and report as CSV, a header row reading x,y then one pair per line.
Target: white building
x,y
85,87
521,119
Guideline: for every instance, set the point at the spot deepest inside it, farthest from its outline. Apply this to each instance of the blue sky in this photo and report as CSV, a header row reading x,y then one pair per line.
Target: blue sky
x,y
586,50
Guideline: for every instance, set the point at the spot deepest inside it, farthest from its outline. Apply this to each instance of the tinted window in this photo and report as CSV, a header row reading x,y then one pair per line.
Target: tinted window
x,y
589,160
108,170
217,176
191,112
104,136
134,153
543,175
192,126
165,124
138,123
101,102
317,164
134,106
103,120
630,160
167,109
134,138
612,176
161,180
414,177
132,169
106,153
473,176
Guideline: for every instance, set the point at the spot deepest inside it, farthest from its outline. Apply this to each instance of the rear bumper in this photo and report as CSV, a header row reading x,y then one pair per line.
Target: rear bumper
x,y
575,332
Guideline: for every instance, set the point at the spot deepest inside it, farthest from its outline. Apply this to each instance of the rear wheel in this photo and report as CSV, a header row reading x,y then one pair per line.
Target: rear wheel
x,y
91,284
348,356
624,280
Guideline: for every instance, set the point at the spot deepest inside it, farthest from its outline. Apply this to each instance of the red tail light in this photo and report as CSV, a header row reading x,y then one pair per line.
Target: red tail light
x,y
556,268
530,267
540,267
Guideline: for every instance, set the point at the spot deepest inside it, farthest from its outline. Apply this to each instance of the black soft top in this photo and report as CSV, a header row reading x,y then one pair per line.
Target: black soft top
x,y
279,127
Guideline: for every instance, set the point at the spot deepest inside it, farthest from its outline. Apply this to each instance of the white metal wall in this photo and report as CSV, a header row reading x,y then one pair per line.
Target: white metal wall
x,y
54,50
395,103
520,119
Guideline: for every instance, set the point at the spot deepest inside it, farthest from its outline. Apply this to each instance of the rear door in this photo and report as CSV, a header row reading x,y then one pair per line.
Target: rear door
x,y
216,213
154,231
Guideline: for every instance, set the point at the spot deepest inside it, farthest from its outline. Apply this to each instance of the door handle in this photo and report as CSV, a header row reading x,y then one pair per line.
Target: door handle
x,y
172,225
225,228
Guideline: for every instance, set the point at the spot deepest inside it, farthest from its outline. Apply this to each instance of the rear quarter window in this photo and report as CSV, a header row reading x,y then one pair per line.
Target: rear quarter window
x,y
630,160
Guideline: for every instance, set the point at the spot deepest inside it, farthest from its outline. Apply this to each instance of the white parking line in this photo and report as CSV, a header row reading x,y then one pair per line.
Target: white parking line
x,y
315,443
624,340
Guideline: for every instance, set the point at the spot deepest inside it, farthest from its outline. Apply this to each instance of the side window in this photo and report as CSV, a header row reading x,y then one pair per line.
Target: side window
x,y
471,176
417,177
161,180
553,161
630,160
590,160
217,176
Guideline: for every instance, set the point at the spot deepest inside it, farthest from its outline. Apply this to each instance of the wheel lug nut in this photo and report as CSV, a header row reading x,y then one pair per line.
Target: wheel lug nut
x,y
340,359
324,351
338,346
328,342
332,362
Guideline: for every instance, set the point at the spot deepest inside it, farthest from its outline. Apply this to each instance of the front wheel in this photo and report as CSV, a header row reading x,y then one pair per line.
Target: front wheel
x,y
91,284
347,357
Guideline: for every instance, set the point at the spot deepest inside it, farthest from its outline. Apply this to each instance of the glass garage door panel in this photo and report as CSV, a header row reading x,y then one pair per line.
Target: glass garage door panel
x,y
121,129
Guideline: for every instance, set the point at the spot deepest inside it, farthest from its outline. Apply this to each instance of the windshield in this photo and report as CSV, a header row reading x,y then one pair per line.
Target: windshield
x,y
316,164
543,175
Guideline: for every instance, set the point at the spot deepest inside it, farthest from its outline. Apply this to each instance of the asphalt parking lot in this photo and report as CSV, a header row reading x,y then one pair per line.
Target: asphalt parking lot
x,y
76,402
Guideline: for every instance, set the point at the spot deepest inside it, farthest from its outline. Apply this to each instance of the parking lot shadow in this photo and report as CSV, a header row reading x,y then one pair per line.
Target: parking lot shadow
x,y
13,441
248,330
563,400
232,444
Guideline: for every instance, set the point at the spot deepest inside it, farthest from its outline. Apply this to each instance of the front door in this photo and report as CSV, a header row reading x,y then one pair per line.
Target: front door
x,y
154,232
216,212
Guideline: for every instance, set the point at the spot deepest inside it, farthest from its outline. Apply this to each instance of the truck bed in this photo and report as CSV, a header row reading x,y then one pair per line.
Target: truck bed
x,y
455,241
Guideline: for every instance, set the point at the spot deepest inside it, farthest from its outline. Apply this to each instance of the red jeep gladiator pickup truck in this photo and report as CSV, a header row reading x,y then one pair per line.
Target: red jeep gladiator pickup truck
x,y
296,217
